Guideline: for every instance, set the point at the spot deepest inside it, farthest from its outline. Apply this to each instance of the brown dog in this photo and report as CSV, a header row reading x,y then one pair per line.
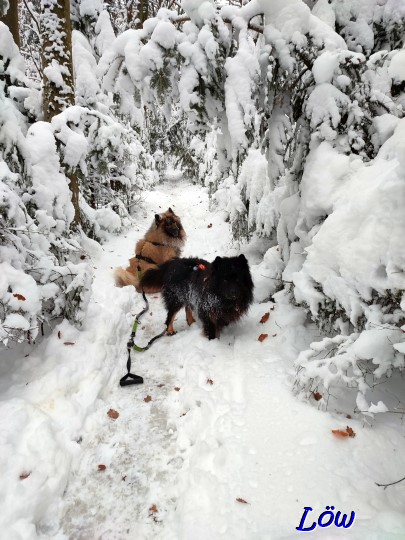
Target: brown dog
x,y
163,241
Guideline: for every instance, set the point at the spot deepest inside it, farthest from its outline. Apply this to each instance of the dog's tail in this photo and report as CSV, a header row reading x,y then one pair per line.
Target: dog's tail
x,y
123,278
152,279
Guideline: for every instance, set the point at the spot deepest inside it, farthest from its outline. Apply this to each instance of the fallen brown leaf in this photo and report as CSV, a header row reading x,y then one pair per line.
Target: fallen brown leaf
x,y
265,317
209,226
59,334
240,500
317,396
19,296
147,399
24,475
210,381
113,414
153,509
339,433
342,434
68,343
177,388
160,385
102,467
82,257
262,337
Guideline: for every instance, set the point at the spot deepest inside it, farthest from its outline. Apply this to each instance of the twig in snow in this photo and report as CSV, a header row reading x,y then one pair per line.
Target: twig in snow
x,y
391,484
277,279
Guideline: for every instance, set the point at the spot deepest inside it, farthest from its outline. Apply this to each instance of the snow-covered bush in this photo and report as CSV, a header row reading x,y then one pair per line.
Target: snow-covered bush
x,y
42,275
112,164
352,279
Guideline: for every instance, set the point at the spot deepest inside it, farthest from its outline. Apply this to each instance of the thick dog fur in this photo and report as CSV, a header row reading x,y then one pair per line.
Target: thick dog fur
x,y
163,241
219,292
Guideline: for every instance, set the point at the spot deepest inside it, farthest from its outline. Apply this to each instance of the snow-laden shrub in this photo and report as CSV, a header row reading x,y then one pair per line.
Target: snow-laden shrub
x,y
351,223
41,275
41,272
111,163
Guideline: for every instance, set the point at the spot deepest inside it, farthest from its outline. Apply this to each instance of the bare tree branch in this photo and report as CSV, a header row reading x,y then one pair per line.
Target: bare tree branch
x,y
391,484
32,16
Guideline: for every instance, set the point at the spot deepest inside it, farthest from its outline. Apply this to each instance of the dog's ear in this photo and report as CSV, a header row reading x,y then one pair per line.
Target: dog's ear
x,y
242,259
217,261
158,219
170,211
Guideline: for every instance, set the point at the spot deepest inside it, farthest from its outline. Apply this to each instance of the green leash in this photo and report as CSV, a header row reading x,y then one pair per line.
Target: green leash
x,y
130,378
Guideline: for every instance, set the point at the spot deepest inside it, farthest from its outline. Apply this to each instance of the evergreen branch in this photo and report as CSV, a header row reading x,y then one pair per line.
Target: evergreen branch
x,y
254,27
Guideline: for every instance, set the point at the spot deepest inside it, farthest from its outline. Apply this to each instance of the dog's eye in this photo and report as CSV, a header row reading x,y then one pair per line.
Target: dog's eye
x,y
169,220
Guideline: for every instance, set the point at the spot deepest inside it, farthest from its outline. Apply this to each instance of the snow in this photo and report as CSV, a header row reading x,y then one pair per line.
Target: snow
x,y
385,126
198,11
396,68
242,70
87,87
324,11
325,105
293,18
222,423
90,8
9,51
104,33
325,66
51,190
164,34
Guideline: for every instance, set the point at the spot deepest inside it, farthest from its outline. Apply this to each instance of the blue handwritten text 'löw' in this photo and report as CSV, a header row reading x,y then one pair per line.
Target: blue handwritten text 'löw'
x,y
326,519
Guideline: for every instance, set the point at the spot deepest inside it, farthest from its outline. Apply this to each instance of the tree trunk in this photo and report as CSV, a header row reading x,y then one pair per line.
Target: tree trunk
x,y
142,12
10,18
75,189
58,82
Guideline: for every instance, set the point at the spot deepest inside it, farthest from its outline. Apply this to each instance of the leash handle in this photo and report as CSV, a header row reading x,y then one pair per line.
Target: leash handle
x,y
130,378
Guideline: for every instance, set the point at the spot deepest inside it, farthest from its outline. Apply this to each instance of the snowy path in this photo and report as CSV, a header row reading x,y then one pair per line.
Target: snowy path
x,y
222,423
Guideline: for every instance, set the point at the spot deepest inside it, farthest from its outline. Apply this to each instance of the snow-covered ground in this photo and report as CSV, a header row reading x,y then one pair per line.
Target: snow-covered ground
x,y
213,445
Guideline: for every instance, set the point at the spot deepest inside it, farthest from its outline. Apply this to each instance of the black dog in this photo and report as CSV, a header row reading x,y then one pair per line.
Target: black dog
x,y
219,292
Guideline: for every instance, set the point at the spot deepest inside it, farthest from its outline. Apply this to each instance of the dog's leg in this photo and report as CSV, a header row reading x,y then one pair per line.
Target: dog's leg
x,y
209,327
172,312
189,316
